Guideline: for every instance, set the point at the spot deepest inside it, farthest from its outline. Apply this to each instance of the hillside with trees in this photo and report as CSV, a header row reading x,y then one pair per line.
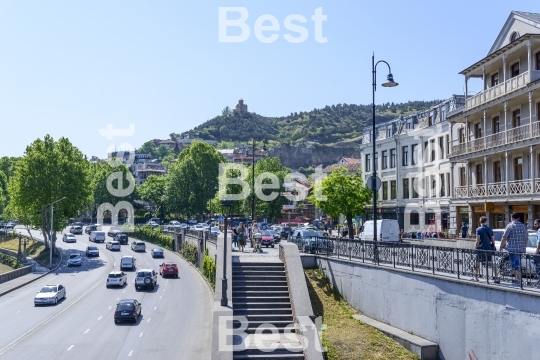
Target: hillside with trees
x,y
329,125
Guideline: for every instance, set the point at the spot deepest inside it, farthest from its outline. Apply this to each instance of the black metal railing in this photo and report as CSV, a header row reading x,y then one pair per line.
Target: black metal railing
x,y
212,238
488,266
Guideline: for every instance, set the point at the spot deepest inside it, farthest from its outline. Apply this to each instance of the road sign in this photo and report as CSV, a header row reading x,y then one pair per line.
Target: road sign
x,y
369,183
358,219
221,218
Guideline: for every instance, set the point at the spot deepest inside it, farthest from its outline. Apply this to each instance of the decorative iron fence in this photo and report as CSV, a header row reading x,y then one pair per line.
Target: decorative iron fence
x,y
489,266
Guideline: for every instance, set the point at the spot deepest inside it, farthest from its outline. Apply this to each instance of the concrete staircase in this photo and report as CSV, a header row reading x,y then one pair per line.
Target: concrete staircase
x,y
260,293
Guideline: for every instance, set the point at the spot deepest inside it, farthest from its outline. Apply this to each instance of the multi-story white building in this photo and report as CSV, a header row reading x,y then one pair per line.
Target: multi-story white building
x,y
412,163
495,157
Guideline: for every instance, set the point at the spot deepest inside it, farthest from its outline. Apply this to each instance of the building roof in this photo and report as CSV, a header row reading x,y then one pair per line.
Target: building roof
x,y
350,161
352,168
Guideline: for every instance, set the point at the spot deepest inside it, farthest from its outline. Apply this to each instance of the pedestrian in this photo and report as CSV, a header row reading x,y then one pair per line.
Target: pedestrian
x,y
464,230
254,230
536,258
515,240
235,236
485,244
241,236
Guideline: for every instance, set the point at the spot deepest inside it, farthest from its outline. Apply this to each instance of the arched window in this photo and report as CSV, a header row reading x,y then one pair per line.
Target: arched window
x,y
514,36
414,218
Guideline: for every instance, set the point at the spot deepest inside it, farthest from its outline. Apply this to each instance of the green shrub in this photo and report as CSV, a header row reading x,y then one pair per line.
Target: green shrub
x,y
209,269
10,261
154,236
190,253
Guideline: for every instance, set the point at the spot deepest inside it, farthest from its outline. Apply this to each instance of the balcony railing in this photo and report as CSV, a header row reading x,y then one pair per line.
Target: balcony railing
x,y
498,189
515,83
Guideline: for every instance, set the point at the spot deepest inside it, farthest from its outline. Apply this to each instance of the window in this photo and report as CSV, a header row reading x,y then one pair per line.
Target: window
x,y
538,60
392,158
414,218
393,192
376,161
415,188
405,155
441,147
443,187
410,125
479,174
430,120
514,36
496,125
405,188
518,168
433,186
461,135
462,176
385,190
368,162
495,79
430,219
538,112
414,159
448,144
370,135
385,159
388,131
516,118
432,145
477,130
514,69
497,171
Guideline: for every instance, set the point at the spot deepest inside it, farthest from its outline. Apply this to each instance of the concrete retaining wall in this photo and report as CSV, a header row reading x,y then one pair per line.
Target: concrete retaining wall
x,y
10,275
467,320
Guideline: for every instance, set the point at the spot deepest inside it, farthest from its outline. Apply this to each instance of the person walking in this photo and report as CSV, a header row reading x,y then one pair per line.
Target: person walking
x,y
515,240
235,236
241,231
464,230
485,243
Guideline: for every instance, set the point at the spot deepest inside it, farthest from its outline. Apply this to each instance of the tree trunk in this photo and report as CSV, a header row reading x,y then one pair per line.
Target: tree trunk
x,y
349,226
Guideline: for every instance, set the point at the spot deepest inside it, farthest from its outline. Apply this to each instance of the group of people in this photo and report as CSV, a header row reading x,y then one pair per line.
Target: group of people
x,y
418,235
242,233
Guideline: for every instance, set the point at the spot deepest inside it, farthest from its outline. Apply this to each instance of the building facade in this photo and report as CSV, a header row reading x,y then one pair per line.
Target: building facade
x,y
495,160
412,163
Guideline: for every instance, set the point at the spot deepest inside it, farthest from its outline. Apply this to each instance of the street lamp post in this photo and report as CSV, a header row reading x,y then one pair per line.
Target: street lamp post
x,y
52,232
389,83
224,300
253,179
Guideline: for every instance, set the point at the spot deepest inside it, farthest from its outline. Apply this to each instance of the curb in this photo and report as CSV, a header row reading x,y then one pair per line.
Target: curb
x,y
34,279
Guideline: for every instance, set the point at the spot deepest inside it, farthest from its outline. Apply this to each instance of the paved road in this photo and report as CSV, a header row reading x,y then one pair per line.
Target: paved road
x,y
176,316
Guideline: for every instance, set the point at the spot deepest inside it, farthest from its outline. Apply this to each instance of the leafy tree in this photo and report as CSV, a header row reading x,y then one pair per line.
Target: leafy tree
x,y
226,111
3,191
101,194
149,148
49,171
162,151
153,191
345,194
306,171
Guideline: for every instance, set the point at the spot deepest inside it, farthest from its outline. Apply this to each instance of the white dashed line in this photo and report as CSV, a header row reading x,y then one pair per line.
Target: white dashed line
x,y
125,290
18,312
69,348
117,299
160,297
87,331
163,289
155,308
99,318
149,320
140,335
131,352
109,308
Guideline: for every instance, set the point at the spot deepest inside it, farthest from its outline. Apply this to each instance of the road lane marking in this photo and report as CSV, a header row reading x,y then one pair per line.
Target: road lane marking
x,y
149,320
99,318
109,308
160,297
18,312
155,308
87,331
163,289
131,352
117,299
69,348
140,335
44,322
124,290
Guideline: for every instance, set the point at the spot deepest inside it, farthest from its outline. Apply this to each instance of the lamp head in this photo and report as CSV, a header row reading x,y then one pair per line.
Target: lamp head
x,y
390,81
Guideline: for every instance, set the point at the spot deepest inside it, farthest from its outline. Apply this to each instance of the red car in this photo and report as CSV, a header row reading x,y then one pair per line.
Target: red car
x,y
267,239
168,268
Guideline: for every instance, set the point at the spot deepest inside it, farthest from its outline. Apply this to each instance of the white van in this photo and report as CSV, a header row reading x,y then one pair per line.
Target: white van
x,y
127,262
97,236
387,230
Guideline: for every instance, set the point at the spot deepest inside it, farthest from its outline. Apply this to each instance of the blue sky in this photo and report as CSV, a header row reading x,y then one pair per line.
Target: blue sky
x,y
69,68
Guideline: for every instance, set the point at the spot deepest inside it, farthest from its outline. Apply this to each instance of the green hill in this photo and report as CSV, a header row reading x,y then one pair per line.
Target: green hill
x,y
329,125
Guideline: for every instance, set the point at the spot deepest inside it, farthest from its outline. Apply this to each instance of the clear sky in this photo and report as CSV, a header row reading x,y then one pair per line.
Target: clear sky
x,y
69,68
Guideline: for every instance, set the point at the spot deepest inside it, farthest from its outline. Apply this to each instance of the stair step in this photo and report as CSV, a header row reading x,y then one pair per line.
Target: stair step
x,y
259,277
260,293
260,263
256,324
259,272
257,287
270,317
269,356
260,299
283,310
258,268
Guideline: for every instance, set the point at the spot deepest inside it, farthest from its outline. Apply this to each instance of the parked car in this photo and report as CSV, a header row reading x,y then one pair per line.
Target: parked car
x,y
50,294
97,236
168,268
198,227
122,238
156,220
192,221
75,259
145,278
69,238
128,262
129,310
285,232
92,251
215,230
116,278
267,239
277,237
175,223
157,252
137,245
113,245
77,230
152,223
527,267
113,233
9,225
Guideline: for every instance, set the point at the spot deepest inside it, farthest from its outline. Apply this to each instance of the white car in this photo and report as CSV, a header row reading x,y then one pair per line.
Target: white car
x,y
198,227
50,294
69,238
116,278
145,278
75,259
138,246
215,231
113,245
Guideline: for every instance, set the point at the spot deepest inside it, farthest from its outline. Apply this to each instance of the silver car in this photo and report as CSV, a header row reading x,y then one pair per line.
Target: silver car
x,y
138,246
116,278
113,245
50,294
74,260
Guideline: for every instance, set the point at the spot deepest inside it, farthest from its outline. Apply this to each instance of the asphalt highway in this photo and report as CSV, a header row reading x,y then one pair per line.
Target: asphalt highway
x,y
176,320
